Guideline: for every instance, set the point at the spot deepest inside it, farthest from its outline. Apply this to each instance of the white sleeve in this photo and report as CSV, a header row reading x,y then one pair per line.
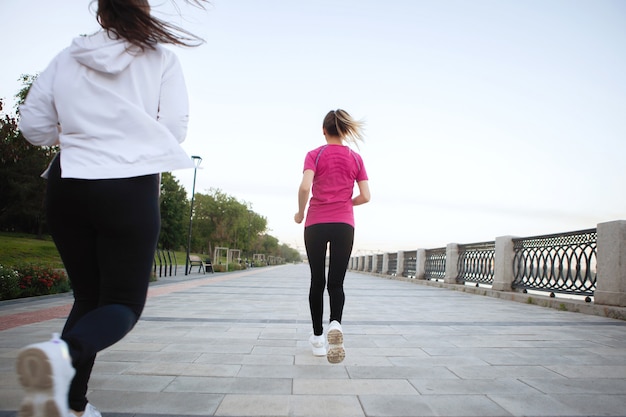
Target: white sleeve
x,y
173,100
38,115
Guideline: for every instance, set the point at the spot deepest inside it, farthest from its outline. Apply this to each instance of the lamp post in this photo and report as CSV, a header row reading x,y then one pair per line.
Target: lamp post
x,y
196,162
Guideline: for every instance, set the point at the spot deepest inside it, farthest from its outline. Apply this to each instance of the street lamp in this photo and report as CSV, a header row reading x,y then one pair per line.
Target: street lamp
x,y
196,162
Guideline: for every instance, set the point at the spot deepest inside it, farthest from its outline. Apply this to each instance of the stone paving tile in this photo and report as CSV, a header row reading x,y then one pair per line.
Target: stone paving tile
x,y
236,344
254,405
545,405
502,386
590,371
595,404
223,385
325,406
440,405
352,386
198,404
577,386
395,372
138,383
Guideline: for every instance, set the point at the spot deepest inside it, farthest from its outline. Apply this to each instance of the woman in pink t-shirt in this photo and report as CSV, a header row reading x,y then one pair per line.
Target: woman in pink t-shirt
x,y
330,172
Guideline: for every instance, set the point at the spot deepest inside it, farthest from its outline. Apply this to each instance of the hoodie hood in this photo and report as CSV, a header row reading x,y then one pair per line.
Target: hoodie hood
x,y
101,53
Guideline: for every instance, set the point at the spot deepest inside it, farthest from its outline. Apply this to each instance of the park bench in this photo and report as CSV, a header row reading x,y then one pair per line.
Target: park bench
x,y
195,260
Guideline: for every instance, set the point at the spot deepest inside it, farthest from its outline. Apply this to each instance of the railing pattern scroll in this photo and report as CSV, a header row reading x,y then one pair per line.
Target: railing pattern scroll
x,y
435,264
379,263
476,263
564,263
409,264
392,266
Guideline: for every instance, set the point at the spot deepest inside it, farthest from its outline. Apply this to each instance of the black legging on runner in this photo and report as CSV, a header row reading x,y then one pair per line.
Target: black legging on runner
x,y
106,232
340,236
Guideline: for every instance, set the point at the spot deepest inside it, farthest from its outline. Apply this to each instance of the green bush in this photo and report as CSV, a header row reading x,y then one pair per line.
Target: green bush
x,y
41,280
234,266
9,283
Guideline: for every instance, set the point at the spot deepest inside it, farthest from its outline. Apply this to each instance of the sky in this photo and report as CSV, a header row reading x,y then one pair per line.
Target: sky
x,y
483,118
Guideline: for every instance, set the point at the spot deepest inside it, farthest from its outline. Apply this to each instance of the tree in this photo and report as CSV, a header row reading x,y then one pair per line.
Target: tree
x,y
220,220
289,254
174,212
22,190
268,245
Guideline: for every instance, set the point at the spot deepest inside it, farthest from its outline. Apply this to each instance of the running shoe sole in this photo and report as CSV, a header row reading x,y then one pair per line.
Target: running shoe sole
x,y
45,373
336,352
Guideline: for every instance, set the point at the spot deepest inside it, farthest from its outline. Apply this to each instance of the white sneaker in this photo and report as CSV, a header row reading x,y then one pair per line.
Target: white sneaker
x,y
318,345
45,371
336,352
90,411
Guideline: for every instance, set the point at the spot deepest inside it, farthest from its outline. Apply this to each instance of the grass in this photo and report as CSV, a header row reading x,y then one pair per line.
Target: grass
x,y
19,249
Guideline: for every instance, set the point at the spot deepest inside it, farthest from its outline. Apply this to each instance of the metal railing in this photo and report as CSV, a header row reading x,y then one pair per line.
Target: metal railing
x,y
435,264
392,264
559,263
409,264
165,262
379,263
476,263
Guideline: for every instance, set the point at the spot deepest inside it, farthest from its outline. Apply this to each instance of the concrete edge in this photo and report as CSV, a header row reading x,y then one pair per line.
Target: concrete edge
x,y
561,304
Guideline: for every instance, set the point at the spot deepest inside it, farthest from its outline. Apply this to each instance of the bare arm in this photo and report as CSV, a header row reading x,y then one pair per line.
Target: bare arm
x,y
364,194
303,194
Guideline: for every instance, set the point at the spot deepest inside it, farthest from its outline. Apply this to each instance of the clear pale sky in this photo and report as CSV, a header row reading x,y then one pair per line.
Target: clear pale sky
x,y
483,118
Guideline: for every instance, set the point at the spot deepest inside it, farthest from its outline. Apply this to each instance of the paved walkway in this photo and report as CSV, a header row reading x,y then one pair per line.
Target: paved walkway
x,y
236,345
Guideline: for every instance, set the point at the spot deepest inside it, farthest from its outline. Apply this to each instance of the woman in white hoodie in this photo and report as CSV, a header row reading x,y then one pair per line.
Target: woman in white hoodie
x,y
116,104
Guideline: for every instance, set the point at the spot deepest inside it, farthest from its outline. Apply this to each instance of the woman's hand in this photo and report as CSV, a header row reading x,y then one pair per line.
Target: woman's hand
x,y
298,217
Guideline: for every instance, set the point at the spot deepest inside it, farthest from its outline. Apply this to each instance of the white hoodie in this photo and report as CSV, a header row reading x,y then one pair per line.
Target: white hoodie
x,y
120,112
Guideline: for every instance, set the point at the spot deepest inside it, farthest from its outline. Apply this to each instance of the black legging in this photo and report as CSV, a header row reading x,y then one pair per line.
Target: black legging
x,y
340,236
106,232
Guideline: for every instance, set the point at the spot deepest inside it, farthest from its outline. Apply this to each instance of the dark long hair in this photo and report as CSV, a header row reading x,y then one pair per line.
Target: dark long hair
x,y
131,20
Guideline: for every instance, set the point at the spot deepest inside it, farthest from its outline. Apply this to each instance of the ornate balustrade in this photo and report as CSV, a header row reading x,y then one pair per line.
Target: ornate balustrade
x,y
588,263
560,263
476,263
409,263
435,264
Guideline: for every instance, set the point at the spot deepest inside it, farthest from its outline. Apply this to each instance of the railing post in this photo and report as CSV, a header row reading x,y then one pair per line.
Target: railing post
x,y
374,263
503,268
452,263
400,267
420,264
362,265
385,269
611,268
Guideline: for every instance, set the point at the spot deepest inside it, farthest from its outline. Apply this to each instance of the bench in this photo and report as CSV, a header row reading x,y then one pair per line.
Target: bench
x,y
204,266
195,260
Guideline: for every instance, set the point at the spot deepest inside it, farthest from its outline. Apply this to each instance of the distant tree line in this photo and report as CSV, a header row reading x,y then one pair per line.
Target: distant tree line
x,y
219,220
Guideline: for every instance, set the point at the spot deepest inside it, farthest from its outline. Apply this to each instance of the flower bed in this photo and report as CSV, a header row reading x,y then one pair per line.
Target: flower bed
x,y
31,280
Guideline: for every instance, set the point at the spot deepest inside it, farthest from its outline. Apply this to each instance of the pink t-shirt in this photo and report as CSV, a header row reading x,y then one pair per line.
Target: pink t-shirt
x,y
336,168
